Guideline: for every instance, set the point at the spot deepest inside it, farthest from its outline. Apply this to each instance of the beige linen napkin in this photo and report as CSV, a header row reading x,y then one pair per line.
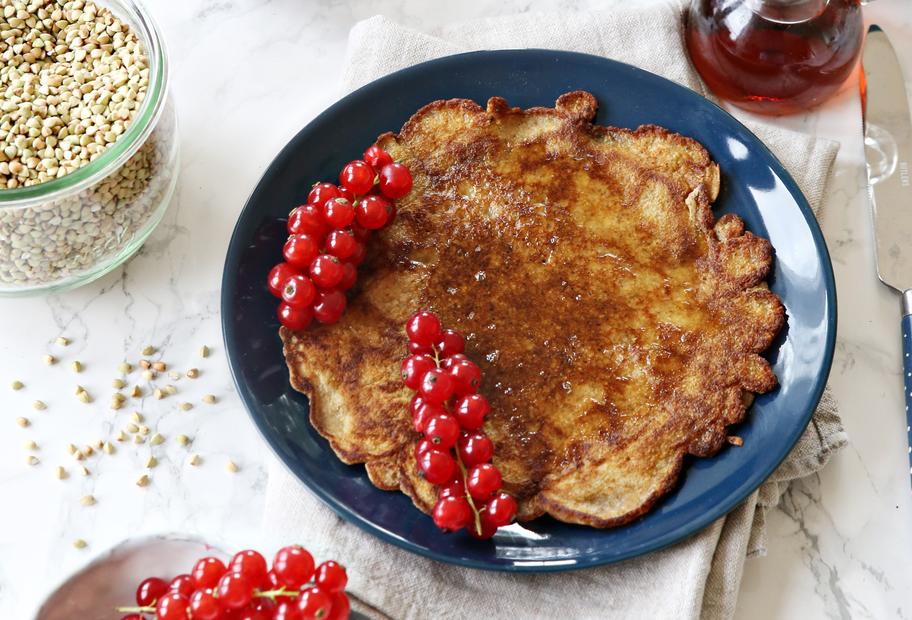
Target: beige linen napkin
x,y
699,577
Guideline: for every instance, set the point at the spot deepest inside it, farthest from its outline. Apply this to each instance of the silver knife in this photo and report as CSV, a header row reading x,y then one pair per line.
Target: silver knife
x,y
888,152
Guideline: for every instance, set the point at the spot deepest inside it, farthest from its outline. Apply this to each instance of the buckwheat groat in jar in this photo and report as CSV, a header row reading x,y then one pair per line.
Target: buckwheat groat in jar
x,y
88,139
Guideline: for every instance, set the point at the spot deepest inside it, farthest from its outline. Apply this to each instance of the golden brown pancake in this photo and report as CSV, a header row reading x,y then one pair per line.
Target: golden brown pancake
x,y
618,326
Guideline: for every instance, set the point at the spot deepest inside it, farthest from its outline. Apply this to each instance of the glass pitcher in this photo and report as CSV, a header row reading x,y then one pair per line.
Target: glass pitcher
x,y
774,56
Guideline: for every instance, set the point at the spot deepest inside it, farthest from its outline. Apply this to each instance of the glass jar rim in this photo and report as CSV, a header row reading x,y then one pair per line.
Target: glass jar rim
x,y
126,146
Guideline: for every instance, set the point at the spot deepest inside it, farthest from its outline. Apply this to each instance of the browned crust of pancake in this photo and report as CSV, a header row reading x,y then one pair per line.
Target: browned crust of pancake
x,y
680,334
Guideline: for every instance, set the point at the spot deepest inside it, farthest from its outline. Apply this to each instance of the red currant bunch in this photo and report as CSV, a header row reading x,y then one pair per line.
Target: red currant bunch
x,y
326,238
247,589
453,451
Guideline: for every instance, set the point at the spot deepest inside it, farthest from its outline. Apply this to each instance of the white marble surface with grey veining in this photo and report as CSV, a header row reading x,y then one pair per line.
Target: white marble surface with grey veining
x,y
247,74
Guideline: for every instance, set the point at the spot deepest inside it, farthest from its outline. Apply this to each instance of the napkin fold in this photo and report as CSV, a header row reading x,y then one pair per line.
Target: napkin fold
x,y
698,577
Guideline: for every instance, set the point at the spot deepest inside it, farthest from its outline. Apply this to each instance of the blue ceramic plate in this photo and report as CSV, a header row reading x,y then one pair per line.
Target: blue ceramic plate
x,y
754,185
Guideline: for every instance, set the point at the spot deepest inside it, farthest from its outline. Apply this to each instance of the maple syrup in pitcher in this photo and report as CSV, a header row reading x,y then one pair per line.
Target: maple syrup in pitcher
x,y
774,56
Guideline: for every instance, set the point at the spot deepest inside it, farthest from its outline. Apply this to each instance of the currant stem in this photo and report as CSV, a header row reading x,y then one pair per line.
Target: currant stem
x,y
462,469
273,594
148,609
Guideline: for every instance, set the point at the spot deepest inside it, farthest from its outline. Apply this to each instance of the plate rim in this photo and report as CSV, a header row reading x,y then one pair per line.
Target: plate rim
x,y
674,535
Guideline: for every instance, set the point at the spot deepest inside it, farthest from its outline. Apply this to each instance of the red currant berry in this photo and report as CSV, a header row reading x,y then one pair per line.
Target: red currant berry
x,y
204,605
298,291
415,403
424,413
182,584
314,604
501,509
150,590
361,233
421,446
300,250
287,610
358,177
272,582
307,219
488,529
277,277
132,617
467,377
372,212
448,362
470,411
329,306
450,343
443,431
438,466
414,348
234,590
251,564
341,607
423,328
339,212
347,194
414,368
437,385
321,192
260,609
349,276
326,271
293,566
341,244
452,513
331,576
295,318
453,488
475,449
377,157
358,255
483,481
395,180
172,606
207,571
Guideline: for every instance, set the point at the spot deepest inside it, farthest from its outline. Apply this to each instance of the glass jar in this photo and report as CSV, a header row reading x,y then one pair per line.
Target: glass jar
x,y
71,230
774,56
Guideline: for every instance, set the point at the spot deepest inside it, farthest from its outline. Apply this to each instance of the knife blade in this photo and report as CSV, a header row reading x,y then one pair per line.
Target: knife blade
x,y
888,153
888,150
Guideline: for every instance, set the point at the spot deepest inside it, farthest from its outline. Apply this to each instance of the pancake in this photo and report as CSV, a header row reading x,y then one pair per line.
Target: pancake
x,y
617,324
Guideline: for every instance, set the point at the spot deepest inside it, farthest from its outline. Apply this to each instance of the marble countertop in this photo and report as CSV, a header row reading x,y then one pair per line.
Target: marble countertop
x,y
840,544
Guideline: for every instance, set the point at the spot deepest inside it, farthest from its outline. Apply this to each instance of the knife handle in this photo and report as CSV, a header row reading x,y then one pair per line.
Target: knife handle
x,y
907,364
